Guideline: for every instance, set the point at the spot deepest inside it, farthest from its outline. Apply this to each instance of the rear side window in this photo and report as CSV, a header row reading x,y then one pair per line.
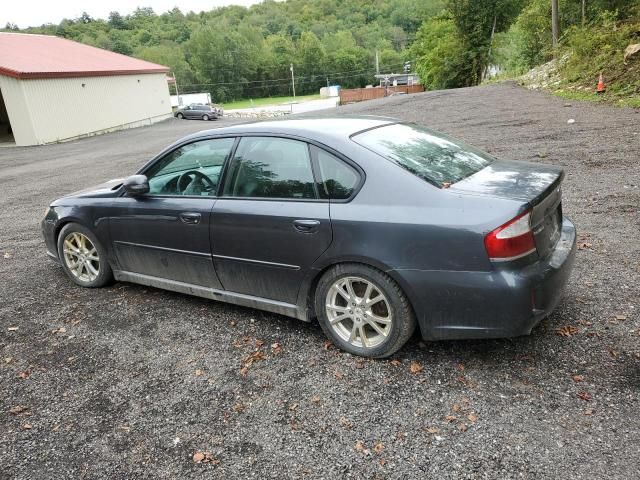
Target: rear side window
x,y
337,180
438,159
270,167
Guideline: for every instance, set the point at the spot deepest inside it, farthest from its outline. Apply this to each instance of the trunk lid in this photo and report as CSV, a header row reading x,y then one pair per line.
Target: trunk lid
x,y
535,185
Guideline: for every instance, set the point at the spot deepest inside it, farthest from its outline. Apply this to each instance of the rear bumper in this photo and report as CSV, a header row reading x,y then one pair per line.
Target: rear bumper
x,y
504,302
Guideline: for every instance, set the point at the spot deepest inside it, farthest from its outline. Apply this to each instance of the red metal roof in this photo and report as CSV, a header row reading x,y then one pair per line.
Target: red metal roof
x,y
43,56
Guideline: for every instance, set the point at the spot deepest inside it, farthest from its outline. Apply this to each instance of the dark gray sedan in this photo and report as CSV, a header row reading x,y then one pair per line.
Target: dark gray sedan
x,y
370,225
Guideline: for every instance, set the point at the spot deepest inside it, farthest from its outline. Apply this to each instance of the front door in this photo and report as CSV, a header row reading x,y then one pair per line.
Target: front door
x,y
270,225
165,233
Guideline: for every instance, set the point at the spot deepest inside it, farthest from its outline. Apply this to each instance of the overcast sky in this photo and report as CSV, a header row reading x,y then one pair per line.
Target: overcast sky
x,y
33,13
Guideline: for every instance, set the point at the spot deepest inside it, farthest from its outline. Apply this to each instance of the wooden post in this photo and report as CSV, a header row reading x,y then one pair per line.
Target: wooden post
x,y
555,23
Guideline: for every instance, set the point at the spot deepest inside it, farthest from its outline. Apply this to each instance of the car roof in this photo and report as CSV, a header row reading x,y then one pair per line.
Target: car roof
x,y
320,128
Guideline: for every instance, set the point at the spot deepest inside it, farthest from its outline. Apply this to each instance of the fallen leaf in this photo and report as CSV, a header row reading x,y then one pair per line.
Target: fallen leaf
x,y
416,367
395,362
621,317
584,395
359,364
59,330
239,407
204,457
446,184
359,447
456,407
346,423
589,411
460,367
338,374
7,255
12,329
567,331
315,399
378,447
613,353
382,462
25,374
578,378
18,409
26,426
472,417
276,348
328,345
293,406
259,343
198,373
584,245
462,427
8,359
432,430
450,418
250,360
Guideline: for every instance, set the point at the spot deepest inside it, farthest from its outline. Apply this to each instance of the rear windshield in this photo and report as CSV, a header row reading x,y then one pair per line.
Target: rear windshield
x,y
438,159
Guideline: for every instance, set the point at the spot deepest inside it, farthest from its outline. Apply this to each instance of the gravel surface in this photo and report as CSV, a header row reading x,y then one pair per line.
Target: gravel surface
x,y
131,382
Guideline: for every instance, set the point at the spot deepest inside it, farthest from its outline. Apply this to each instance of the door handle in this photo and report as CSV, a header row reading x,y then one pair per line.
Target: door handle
x,y
190,218
306,226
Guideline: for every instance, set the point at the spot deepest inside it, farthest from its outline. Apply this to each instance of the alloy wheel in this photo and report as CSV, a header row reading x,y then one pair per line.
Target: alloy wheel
x,y
359,312
81,257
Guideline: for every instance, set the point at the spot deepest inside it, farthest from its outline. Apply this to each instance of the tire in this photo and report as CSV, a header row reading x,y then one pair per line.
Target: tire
x,y
87,277
179,116
393,307
205,117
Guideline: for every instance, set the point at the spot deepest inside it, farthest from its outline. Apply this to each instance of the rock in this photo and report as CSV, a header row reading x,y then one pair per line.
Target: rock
x,y
631,50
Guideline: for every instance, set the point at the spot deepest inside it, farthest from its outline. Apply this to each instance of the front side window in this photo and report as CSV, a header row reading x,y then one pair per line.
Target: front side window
x,y
337,179
192,169
270,167
431,156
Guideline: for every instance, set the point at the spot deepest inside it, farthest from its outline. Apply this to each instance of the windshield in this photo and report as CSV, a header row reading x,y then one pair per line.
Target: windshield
x,y
431,156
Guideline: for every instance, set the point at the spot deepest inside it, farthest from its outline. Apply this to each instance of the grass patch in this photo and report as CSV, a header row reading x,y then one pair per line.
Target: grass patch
x,y
267,102
606,98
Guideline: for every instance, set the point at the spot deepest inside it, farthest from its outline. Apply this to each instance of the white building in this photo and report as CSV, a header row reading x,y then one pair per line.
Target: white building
x,y
53,89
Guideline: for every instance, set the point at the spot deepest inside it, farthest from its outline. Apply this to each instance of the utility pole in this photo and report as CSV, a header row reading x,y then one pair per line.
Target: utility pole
x,y
377,63
293,82
584,12
555,23
175,82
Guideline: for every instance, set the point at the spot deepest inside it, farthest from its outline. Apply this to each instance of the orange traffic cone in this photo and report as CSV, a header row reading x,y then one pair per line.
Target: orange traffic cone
x,y
601,87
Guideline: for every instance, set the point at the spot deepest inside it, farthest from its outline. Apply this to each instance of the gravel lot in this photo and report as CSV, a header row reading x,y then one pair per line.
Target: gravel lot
x,y
130,382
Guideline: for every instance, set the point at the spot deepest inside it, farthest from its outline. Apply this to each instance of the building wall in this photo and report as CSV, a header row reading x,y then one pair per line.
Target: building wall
x,y
66,108
18,112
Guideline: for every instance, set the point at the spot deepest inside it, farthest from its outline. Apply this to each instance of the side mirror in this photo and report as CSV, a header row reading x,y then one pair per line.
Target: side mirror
x,y
136,185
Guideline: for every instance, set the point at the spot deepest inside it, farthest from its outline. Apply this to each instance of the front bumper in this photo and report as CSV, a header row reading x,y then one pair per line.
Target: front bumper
x,y
504,302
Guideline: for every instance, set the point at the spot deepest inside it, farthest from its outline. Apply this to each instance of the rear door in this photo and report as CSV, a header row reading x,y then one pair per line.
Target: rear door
x,y
270,224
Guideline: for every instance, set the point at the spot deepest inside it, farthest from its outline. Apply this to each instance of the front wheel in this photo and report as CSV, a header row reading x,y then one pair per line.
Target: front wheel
x,y
363,310
82,256
179,116
205,117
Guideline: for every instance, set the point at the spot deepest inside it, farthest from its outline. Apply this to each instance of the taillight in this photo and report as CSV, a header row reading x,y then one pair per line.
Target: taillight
x,y
512,240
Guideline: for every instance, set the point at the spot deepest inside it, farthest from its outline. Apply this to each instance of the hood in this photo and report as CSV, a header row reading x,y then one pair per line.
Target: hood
x,y
102,190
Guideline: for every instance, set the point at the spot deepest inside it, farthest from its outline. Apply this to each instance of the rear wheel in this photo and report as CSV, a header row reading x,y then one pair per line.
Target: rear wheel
x,y
180,116
82,256
363,310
